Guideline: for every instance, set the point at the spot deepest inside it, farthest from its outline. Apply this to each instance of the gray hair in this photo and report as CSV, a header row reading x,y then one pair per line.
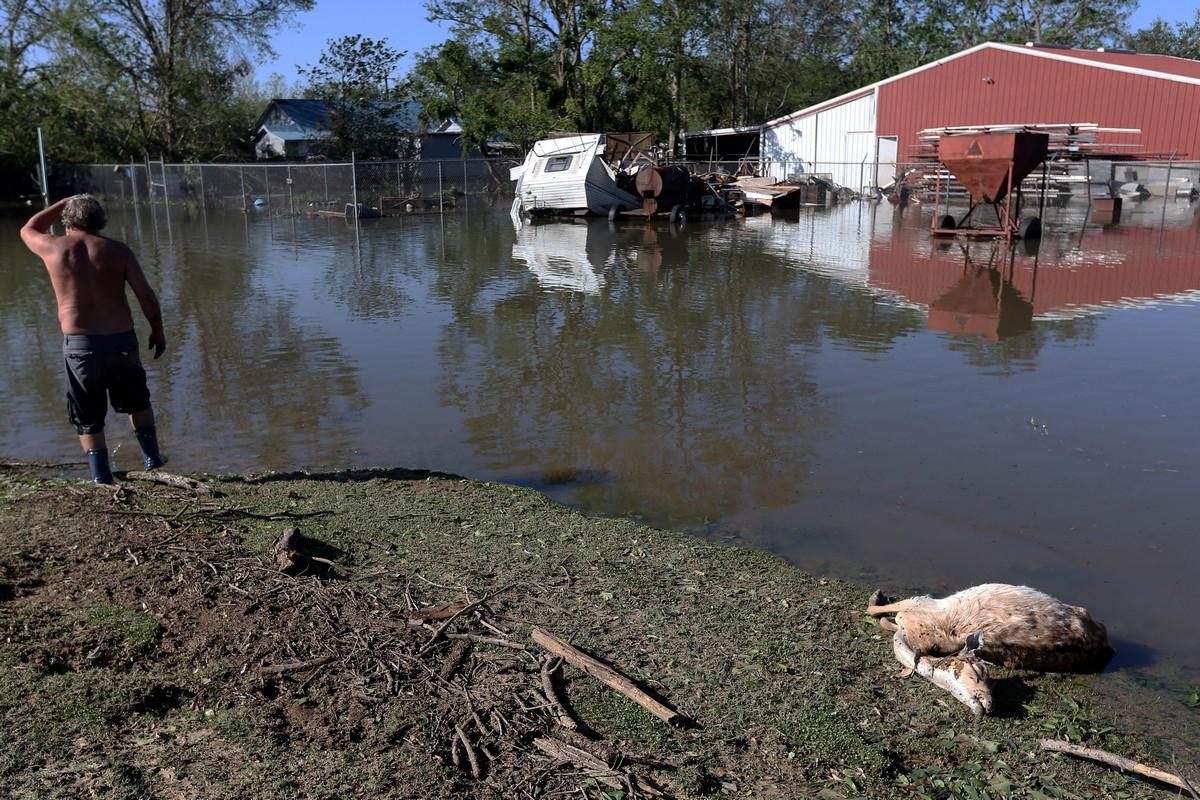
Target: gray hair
x,y
84,213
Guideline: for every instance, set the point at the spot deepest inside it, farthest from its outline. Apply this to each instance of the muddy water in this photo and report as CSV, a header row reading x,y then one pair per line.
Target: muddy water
x,y
833,386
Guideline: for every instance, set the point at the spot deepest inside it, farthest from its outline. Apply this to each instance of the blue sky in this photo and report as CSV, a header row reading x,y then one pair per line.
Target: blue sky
x,y
404,25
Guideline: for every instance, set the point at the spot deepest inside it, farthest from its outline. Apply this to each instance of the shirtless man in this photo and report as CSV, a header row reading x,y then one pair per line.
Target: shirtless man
x,y
89,273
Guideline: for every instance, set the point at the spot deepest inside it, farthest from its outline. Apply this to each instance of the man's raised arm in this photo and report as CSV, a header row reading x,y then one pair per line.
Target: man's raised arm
x,y
148,300
36,232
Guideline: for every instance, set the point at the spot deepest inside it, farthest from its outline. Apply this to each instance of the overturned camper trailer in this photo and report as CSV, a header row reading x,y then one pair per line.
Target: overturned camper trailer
x,y
610,175
570,176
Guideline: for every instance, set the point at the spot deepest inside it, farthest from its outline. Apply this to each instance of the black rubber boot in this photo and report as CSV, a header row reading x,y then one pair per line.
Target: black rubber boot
x,y
101,471
148,440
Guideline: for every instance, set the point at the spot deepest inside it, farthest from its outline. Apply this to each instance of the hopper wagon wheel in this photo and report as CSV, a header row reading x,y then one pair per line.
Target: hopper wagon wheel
x,y
679,215
1031,228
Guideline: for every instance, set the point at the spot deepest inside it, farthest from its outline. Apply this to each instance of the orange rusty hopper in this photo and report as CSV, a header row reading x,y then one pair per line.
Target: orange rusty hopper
x,y
991,167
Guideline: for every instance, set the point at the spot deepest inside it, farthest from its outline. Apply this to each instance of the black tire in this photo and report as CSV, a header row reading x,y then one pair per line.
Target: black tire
x,y
947,222
1031,228
679,215
612,213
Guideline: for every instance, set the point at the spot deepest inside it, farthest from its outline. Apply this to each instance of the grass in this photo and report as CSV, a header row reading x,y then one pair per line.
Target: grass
x,y
794,691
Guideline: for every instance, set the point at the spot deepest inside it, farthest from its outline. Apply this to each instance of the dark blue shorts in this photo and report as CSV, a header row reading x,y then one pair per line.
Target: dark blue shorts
x,y
103,369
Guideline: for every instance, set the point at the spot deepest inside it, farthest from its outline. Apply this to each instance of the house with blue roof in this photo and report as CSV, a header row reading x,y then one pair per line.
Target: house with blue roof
x,y
291,128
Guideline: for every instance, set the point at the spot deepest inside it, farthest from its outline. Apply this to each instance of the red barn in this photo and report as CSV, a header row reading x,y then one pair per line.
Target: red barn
x,y
860,136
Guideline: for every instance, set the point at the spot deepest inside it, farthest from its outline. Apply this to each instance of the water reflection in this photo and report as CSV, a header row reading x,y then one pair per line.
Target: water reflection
x,y
249,379
836,386
983,303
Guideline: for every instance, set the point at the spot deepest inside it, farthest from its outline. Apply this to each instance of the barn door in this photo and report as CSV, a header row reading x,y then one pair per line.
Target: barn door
x,y
885,163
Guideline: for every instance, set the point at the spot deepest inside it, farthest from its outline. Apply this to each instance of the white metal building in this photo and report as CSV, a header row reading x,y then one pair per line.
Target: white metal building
x,y
835,137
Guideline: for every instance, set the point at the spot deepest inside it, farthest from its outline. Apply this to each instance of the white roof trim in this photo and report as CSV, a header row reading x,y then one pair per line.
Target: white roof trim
x,y
1056,55
1061,55
724,131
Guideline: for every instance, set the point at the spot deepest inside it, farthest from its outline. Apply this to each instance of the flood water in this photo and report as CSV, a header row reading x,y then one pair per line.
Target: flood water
x,y
833,386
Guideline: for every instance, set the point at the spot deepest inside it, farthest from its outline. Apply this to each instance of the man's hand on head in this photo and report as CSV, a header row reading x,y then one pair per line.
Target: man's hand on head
x,y
158,343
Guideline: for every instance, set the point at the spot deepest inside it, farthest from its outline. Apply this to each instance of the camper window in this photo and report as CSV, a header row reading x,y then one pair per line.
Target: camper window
x,y
558,164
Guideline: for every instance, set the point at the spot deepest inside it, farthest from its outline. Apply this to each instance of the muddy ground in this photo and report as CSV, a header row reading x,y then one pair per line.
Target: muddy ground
x,y
151,647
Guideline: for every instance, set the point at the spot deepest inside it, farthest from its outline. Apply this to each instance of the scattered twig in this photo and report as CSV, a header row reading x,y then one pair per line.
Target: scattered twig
x,y
569,754
296,666
476,769
437,634
495,640
1119,762
607,675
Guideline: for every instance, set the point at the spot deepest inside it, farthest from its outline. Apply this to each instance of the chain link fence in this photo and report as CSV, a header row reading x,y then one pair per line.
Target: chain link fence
x,y
293,188
1064,178
415,185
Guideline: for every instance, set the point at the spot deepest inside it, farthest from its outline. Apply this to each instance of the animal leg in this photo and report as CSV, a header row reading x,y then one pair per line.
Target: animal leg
x,y
879,605
966,681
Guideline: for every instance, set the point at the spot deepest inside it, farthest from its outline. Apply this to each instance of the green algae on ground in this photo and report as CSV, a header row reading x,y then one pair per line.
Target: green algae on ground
x,y
794,690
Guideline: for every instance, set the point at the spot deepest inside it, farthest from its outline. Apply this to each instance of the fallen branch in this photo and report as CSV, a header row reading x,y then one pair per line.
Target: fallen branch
x,y
1119,762
563,717
607,675
296,666
170,479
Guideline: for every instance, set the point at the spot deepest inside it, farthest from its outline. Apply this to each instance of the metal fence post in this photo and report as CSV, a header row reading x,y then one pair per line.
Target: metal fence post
x,y
242,179
267,185
133,180
399,190
203,201
354,185
291,197
325,173
441,198
42,162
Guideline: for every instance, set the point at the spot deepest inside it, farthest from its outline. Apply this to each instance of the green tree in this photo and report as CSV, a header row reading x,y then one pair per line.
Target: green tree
x,y
1181,39
178,60
355,77
1078,23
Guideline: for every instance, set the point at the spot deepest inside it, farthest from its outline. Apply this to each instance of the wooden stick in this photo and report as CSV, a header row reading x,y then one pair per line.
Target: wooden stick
x,y
296,666
1113,760
549,667
170,479
606,675
476,769
493,640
